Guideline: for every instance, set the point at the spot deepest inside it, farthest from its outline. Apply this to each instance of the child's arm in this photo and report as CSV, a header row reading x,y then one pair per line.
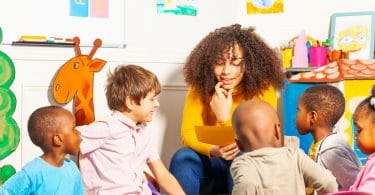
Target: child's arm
x,y
164,178
349,167
365,181
315,175
17,184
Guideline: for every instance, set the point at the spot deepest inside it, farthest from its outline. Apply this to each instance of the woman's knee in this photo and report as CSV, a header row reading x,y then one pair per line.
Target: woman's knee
x,y
184,155
185,158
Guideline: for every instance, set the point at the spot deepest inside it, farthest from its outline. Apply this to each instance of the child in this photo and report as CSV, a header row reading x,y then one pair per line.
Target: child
x,y
51,128
115,150
266,167
364,121
319,109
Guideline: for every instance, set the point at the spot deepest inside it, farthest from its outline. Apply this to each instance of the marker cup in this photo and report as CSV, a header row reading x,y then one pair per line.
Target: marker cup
x,y
318,56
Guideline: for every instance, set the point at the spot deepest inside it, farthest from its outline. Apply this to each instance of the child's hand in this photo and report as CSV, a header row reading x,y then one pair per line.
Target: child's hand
x,y
221,103
226,152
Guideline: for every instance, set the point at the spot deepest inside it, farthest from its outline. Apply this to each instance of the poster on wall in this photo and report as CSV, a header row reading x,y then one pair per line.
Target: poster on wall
x,y
264,6
353,32
79,8
97,8
176,7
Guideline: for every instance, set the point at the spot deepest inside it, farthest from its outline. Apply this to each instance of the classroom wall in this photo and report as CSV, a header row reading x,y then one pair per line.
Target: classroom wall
x,y
160,43
145,30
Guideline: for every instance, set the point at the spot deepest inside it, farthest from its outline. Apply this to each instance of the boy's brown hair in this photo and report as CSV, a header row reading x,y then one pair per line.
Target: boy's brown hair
x,y
328,101
261,64
129,80
42,122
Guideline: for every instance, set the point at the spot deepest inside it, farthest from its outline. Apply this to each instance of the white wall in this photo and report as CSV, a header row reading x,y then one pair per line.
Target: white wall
x,y
145,30
160,43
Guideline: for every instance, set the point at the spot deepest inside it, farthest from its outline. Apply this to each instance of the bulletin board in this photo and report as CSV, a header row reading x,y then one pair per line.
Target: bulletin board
x,y
53,18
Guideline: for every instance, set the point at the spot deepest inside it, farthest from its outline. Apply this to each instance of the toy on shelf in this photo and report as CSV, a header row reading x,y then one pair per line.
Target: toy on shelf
x,y
286,54
318,55
300,57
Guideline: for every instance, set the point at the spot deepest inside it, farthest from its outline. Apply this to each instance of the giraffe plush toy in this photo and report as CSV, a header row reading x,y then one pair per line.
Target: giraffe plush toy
x,y
75,79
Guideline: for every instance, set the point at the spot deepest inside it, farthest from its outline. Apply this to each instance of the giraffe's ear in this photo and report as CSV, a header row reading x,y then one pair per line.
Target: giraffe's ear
x,y
96,65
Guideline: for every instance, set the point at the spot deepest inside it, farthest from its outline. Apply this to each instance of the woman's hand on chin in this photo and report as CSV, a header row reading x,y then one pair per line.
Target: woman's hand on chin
x,y
221,103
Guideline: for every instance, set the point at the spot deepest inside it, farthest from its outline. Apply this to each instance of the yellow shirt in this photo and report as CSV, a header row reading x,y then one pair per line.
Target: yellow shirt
x,y
312,153
312,149
198,114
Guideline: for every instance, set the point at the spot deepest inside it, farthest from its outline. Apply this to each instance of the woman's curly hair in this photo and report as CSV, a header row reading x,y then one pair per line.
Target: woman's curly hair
x,y
261,63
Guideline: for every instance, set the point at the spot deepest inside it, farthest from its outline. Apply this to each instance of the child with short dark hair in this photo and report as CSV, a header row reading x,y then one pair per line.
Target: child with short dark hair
x,y
364,121
52,128
266,167
116,149
319,108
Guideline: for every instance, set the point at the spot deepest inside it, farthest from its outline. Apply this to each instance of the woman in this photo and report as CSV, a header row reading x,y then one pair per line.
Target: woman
x,y
229,66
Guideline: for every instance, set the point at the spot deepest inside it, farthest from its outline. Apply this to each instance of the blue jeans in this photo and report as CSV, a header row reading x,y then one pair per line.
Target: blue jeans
x,y
199,174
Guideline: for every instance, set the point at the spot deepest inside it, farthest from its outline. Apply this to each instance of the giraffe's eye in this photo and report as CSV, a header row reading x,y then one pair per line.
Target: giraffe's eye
x,y
76,65
57,87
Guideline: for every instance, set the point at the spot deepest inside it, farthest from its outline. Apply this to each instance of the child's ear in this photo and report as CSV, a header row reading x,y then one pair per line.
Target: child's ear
x,y
57,140
278,133
129,102
313,117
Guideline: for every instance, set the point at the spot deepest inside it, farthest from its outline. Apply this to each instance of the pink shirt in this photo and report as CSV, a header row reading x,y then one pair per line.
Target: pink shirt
x,y
114,153
366,178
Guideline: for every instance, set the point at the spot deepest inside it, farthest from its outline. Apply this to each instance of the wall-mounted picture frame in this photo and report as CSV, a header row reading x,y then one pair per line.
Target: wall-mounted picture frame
x,y
353,32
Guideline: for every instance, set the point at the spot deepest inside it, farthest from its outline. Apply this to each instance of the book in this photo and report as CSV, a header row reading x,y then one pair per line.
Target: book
x,y
215,135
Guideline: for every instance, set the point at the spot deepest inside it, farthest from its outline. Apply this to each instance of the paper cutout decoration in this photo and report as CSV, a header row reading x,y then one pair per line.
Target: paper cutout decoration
x,y
6,172
357,69
176,7
264,6
79,8
327,73
343,69
75,79
9,130
99,8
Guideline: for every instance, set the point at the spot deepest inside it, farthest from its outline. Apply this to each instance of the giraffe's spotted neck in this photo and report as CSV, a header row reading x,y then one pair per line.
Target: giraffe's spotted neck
x,y
75,79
